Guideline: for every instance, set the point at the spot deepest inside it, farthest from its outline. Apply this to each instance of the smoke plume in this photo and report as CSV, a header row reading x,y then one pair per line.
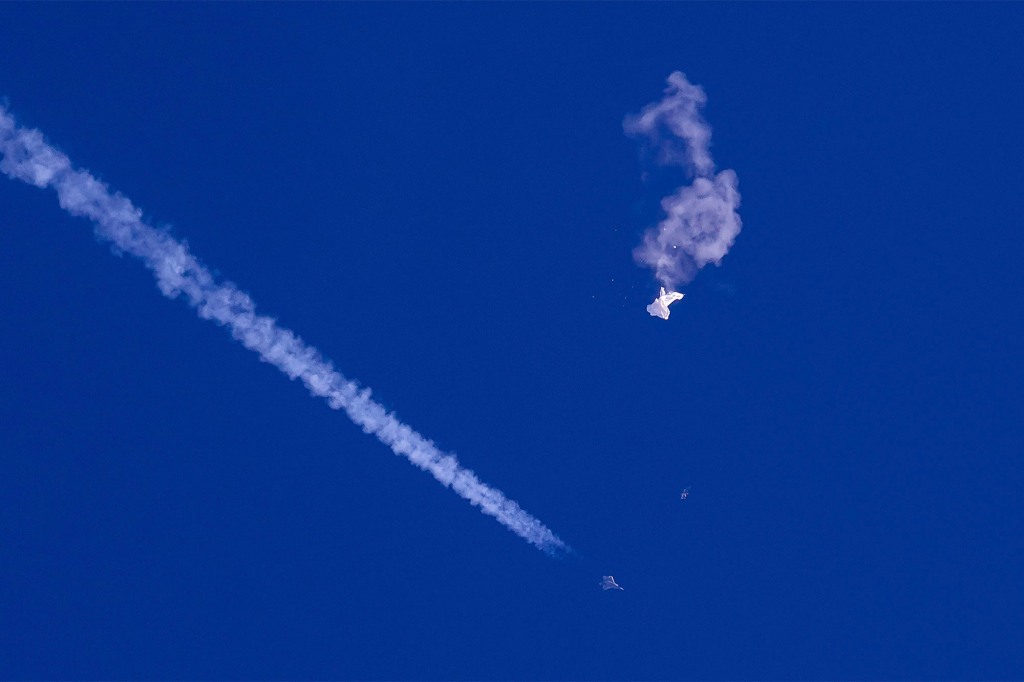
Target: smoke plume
x,y
701,222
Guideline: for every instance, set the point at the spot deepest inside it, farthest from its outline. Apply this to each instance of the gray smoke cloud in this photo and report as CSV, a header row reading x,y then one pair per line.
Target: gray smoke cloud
x,y
26,156
701,222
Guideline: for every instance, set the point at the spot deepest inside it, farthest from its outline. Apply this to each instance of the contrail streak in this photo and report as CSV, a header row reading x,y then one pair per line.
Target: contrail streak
x,y
701,222
25,155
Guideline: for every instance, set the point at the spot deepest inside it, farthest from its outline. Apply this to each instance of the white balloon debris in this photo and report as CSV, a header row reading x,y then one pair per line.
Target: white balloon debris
x,y
659,308
608,583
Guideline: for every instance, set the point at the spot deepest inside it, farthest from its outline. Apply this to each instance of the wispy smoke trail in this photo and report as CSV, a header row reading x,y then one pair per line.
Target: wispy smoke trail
x,y
700,223
25,155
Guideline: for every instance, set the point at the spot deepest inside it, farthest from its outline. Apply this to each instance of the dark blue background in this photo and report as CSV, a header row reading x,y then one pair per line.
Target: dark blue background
x,y
441,199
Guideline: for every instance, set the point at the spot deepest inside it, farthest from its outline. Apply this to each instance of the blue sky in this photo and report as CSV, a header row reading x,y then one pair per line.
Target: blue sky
x,y
442,200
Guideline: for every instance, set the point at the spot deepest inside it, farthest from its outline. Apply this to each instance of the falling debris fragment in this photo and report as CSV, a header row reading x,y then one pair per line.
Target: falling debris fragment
x,y
660,306
608,583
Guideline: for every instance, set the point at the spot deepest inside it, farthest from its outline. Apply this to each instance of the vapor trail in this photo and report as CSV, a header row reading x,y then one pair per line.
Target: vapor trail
x,y
25,155
701,222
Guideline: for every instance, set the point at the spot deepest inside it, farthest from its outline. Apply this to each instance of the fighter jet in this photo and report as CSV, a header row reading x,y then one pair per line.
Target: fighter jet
x,y
660,306
608,583
686,493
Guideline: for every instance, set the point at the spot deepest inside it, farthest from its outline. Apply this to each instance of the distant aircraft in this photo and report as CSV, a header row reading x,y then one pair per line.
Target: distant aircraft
x,y
608,583
659,308
684,494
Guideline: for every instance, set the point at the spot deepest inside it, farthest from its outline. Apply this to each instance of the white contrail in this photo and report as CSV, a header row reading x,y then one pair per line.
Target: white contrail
x,y
25,155
700,223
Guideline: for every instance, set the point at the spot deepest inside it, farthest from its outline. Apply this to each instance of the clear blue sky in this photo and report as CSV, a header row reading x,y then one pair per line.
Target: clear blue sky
x,y
440,198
